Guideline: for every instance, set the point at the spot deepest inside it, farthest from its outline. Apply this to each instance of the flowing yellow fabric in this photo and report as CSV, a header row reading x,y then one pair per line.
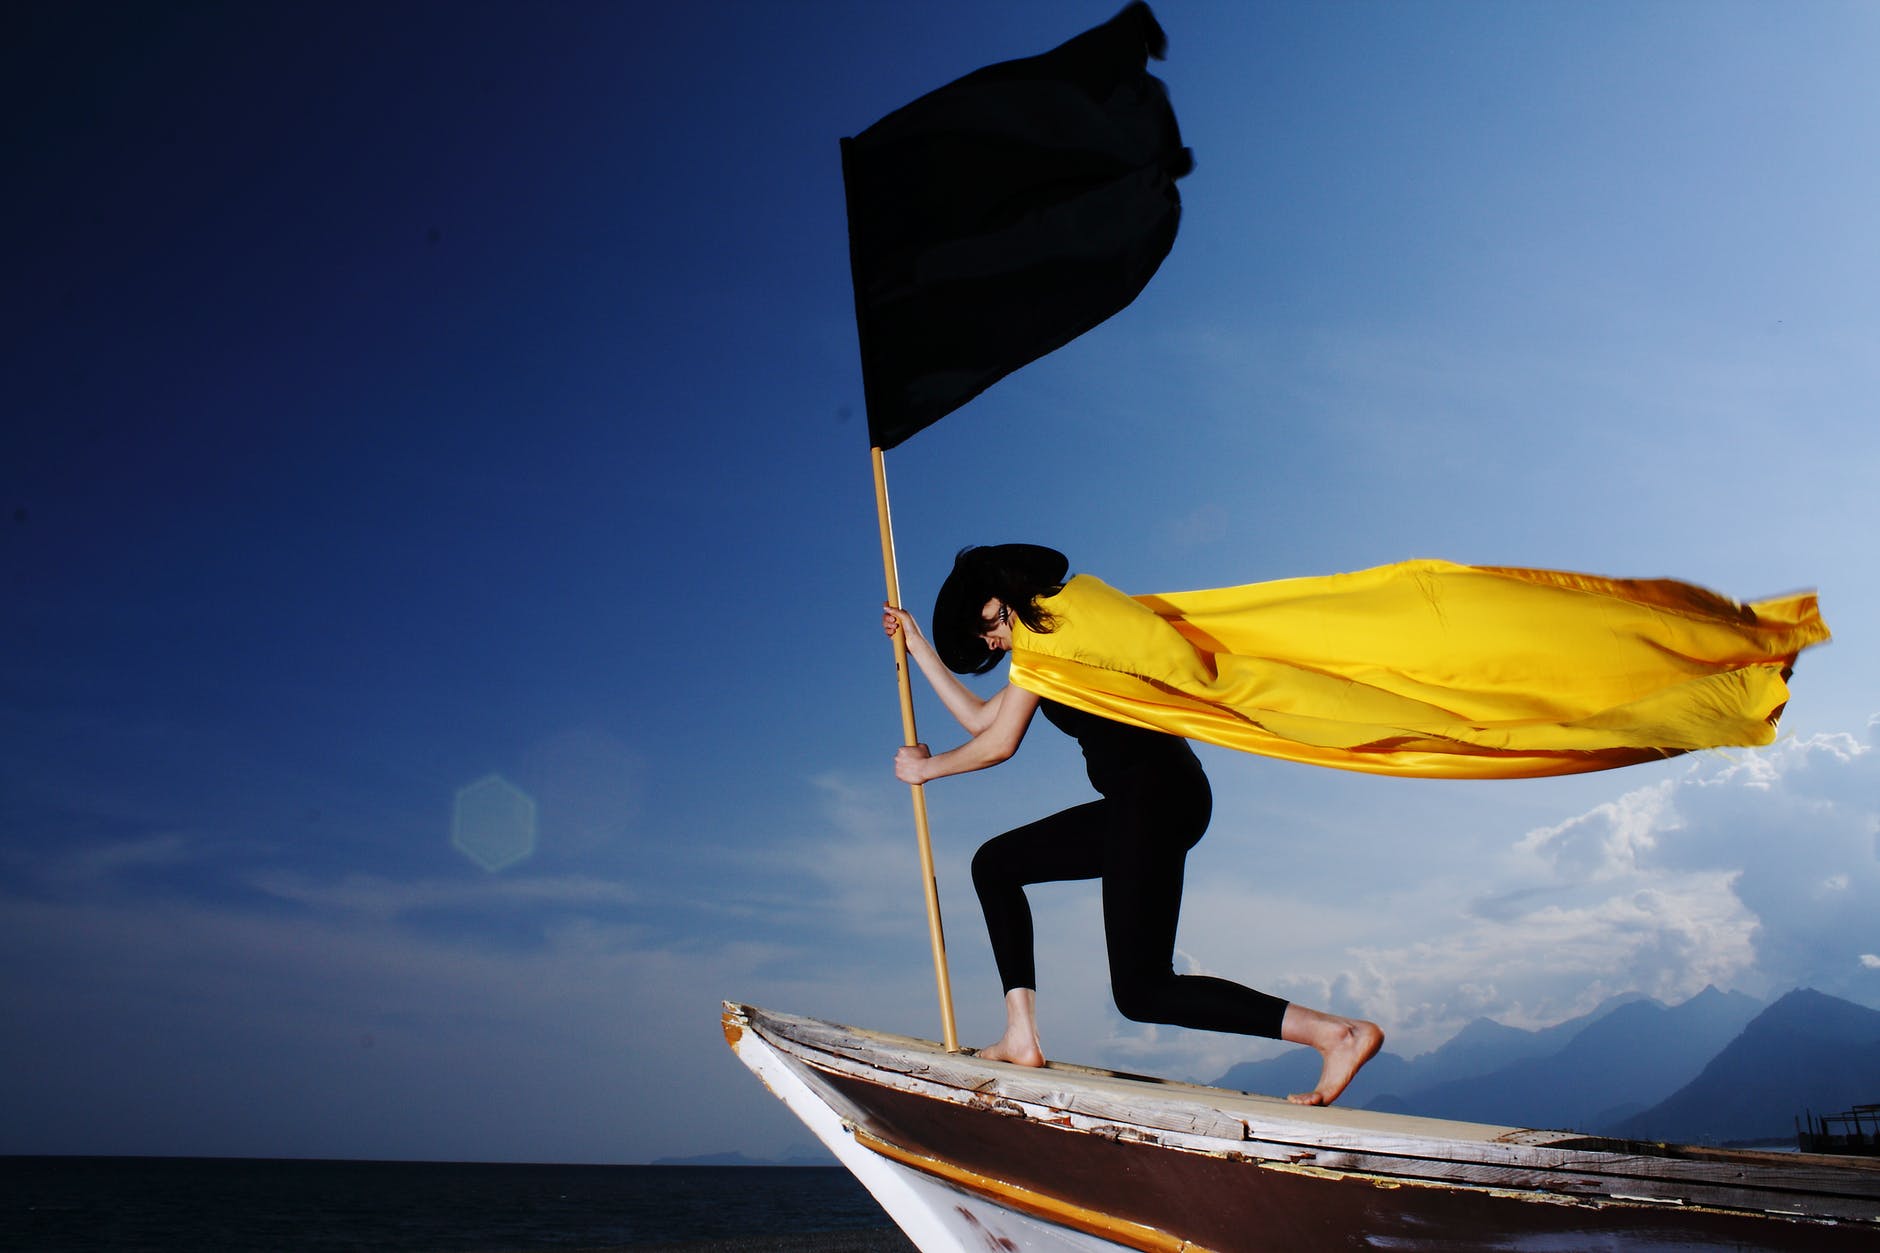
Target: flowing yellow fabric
x,y
1428,668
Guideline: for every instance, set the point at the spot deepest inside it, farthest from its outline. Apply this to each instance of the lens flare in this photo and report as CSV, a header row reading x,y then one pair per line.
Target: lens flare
x,y
493,823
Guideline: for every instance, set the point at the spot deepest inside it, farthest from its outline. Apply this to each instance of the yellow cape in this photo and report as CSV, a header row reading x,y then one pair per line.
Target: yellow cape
x,y
1428,668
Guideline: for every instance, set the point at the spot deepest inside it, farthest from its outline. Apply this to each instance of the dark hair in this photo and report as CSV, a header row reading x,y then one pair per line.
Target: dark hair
x,y
1016,574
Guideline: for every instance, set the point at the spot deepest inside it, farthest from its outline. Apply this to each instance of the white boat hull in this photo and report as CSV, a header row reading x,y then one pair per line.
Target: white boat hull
x,y
937,1216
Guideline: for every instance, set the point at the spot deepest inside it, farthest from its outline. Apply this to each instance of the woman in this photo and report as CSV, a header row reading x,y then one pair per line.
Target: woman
x,y
1154,807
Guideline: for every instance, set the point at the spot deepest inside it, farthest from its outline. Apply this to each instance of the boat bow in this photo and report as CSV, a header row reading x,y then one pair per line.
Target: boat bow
x,y
971,1154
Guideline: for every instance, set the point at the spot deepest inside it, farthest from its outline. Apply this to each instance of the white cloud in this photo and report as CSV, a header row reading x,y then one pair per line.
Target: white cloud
x,y
1666,936
533,1017
1610,840
857,876
99,863
1746,871
337,1029
375,896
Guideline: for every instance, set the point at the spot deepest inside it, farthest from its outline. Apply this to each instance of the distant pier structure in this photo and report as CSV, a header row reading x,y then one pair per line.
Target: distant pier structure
x,y
1856,1131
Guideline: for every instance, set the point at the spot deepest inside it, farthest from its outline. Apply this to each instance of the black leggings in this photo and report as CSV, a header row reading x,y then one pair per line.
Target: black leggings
x,y
1136,840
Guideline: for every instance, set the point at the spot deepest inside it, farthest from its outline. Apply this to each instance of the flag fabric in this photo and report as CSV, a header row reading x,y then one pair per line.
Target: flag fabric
x,y
1428,668
999,217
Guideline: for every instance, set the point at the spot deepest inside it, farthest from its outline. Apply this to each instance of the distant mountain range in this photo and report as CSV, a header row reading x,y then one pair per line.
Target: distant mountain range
x,y
1718,1068
1808,1051
795,1155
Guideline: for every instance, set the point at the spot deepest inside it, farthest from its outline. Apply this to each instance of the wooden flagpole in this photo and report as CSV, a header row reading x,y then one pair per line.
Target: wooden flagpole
x,y
935,932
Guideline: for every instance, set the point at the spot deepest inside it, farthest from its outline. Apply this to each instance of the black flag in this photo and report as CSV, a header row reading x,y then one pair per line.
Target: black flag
x,y
1003,215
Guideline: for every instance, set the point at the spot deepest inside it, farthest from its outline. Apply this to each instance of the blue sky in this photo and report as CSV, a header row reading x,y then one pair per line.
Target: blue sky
x,y
402,396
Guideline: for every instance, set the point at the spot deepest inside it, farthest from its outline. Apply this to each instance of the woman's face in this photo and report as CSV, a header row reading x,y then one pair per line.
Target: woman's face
x,y
996,621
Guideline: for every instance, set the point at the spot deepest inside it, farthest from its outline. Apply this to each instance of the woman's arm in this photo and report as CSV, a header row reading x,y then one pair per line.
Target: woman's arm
x,y
967,708
988,747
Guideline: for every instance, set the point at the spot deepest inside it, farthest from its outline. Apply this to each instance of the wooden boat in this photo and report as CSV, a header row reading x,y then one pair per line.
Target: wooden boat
x,y
983,1156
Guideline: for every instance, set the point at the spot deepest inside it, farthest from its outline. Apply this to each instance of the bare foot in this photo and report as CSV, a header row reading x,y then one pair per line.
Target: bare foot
x,y
1020,1052
1346,1044
1019,1045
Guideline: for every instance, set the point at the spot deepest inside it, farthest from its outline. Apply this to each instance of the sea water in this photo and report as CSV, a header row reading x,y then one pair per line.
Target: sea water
x,y
193,1205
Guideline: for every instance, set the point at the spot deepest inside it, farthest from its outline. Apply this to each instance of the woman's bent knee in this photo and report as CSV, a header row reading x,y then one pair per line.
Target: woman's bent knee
x,y
1142,1000
987,868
